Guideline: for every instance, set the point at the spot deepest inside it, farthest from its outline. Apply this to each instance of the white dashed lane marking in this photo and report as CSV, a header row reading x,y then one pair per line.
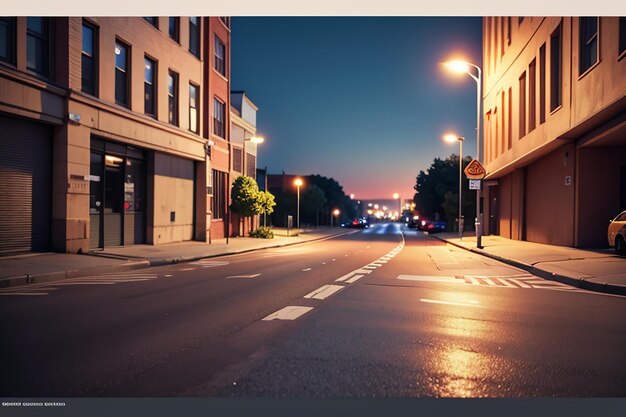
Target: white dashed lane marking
x,y
243,276
288,313
324,292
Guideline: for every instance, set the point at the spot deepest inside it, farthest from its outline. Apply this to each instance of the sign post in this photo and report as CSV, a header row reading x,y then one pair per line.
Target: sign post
x,y
474,171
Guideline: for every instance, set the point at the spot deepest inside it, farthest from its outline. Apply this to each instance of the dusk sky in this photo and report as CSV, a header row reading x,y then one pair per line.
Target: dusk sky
x,y
362,100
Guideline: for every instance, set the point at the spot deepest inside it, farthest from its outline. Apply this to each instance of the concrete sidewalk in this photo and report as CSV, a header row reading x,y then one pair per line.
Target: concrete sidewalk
x,y
597,270
44,267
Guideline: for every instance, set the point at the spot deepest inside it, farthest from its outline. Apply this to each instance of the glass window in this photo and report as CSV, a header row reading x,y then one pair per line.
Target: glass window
x,y
555,69
7,39
154,21
588,43
37,42
220,56
622,35
250,165
150,71
172,98
542,84
237,160
174,28
532,86
194,35
89,65
121,74
225,20
218,118
193,108
522,105
218,202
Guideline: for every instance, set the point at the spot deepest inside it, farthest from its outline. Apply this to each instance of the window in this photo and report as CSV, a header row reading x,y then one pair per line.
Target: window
x,y
150,71
250,165
218,118
218,203
38,43
7,39
220,54
89,63
622,35
194,35
174,29
194,103
154,21
555,69
520,19
510,122
588,47
532,96
122,72
237,160
542,84
225,20
502,35
522,105
172,98
508,30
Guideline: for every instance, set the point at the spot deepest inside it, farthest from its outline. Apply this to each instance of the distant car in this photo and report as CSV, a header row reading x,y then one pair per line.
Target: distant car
x,y
413,221
358,224
617,233
433,226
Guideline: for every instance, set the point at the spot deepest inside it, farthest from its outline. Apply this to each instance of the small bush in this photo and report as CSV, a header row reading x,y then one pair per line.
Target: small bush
x,y
262,233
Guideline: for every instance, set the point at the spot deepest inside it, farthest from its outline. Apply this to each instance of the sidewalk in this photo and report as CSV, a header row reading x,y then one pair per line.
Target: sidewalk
x,y
597,270
44,267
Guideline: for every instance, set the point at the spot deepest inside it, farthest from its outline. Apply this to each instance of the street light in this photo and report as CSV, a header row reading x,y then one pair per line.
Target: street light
x,y
298,183
454,138
335,213
463,67
397,196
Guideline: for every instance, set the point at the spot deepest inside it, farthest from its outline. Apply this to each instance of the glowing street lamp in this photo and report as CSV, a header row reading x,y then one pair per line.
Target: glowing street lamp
x,y
451,139
298,183
396,196
335,213
463,67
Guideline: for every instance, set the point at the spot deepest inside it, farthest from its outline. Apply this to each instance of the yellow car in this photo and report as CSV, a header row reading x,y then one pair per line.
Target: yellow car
x,y
617,233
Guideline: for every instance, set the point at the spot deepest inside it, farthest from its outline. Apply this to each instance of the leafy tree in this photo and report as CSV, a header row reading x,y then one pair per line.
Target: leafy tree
x,y
437,191
265,203
244,196
311,201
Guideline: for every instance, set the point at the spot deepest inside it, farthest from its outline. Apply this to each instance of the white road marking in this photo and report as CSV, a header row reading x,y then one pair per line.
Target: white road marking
x,y
370,267
208,263
334,259
345,277
244,276
168,275
452,303
306,269
324,292
288,313
520,283
449,279
188,269
362,271
354,279
324,263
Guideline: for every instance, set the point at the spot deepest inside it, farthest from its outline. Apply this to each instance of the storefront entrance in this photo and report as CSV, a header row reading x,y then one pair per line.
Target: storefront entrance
x,y
117,195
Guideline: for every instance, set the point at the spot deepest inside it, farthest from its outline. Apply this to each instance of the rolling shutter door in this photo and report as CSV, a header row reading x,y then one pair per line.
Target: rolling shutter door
x,y
25,185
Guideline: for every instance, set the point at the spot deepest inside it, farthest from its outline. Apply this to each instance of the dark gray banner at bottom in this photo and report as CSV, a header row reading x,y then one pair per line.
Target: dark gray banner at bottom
x,y
308,407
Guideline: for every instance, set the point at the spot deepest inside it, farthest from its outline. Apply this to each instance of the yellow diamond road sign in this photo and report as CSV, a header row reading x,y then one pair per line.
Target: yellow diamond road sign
x,y
475,171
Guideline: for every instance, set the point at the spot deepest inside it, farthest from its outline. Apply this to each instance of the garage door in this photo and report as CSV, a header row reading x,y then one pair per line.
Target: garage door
x,y
25,185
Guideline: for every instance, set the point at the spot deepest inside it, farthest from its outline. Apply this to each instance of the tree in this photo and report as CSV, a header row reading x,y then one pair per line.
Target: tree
x,y
437,192
247,200
265,203
311,201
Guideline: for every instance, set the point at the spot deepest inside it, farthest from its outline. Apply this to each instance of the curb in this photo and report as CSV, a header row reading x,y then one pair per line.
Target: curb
x,y
131,265
74,273
542,273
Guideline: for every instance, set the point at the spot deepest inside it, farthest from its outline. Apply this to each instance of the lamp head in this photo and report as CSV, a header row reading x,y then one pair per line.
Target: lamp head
x,y
298,182
458,66
396,196
256,139
453,138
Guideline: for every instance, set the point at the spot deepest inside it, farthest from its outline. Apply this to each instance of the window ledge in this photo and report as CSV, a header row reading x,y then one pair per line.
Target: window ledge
x,y
219,74
588,70
556,109
621,55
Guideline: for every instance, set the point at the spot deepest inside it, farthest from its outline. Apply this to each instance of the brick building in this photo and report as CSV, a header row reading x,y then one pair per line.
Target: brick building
x,y
554,103
113,131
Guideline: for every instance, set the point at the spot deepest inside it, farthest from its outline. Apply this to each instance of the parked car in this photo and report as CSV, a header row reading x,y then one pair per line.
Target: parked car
x,y
413,221
433,226
617,233
358,224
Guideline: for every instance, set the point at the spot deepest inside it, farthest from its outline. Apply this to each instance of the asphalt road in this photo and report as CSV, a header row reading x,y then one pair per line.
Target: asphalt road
x,y
378,312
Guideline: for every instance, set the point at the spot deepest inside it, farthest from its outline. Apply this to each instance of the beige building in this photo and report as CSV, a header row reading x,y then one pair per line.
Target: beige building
x,y
105,127
554,105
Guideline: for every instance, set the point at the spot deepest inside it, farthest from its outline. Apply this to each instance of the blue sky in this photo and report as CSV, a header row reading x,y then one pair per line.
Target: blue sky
x,y
362,100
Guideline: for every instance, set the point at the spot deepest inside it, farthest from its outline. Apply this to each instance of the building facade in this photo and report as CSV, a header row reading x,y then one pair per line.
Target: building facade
x,y
243,149
554,107
109,131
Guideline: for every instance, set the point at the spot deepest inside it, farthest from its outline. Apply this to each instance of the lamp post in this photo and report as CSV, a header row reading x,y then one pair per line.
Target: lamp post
x,y
397,196
463,67
335,213
298,183
453,138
